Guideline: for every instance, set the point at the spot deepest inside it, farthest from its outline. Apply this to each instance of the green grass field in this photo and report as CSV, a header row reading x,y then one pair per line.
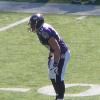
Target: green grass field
x,y
23,60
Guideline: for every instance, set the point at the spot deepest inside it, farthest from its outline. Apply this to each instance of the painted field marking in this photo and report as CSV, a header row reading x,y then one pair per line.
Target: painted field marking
x,y
92,91
81,18
14,89
14,24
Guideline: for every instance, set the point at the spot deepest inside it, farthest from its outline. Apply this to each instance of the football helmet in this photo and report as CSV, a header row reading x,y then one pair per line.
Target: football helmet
x,y
36,21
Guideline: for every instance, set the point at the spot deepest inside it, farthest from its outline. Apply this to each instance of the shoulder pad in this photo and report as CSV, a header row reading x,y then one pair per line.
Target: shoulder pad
x,y
45,35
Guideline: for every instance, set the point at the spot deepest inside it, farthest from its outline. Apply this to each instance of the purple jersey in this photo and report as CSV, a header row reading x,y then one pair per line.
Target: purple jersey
x,y
45,32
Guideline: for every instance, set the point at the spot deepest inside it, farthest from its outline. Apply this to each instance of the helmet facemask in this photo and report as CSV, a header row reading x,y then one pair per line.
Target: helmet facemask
x,y
32,25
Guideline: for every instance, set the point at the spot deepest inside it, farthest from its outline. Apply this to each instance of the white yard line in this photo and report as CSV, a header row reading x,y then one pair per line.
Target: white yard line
x,y
94,90
14,24
81,18
14,89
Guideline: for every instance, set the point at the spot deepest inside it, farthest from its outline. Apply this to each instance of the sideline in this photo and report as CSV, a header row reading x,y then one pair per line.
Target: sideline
x,y
14,24
53,8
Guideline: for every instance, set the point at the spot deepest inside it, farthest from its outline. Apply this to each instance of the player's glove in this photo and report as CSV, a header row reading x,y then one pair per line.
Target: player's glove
x,y
54,69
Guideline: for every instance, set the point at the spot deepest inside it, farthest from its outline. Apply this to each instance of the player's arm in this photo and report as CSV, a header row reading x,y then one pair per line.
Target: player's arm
x,y
55,46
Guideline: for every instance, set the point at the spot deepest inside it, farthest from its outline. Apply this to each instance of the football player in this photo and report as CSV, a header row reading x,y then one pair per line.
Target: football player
x,y
59,52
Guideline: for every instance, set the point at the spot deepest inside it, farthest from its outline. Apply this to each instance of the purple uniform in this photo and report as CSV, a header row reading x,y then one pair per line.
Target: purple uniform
x,y
45,32
56,70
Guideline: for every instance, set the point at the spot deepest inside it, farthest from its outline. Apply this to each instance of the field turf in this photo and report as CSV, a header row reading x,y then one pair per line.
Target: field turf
x,y
23,60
